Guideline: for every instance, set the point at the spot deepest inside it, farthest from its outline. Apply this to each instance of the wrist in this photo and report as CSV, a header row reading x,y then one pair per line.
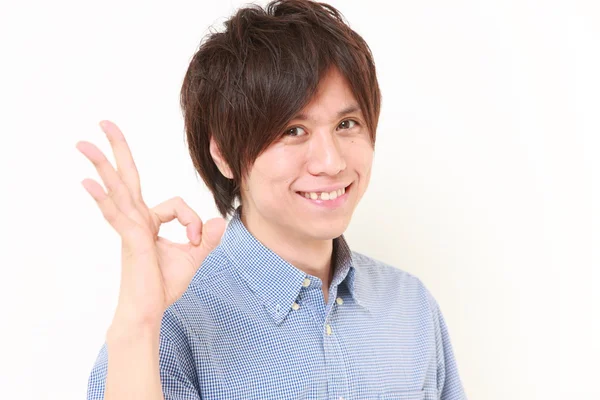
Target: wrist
x,y
132,332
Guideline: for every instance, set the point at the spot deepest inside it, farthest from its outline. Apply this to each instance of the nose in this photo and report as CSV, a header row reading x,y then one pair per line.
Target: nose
x,y
325,155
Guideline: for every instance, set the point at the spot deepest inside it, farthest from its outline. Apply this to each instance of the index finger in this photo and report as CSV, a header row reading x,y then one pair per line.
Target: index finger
x,y
125,165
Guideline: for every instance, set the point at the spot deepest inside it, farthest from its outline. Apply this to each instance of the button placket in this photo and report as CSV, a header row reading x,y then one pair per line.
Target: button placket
x,y
337,374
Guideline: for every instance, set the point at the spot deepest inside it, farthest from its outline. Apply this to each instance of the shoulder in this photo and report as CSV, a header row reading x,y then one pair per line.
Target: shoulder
x,y
213,284
390,282
381,272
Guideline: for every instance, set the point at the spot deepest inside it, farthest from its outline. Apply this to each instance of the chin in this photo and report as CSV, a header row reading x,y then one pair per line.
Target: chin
x,y
325,230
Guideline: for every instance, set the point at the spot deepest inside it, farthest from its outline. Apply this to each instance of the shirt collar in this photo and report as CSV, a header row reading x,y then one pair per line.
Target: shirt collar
x,y
273,280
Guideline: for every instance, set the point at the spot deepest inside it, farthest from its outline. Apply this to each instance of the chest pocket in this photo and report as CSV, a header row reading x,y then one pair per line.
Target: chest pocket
x,y
410,395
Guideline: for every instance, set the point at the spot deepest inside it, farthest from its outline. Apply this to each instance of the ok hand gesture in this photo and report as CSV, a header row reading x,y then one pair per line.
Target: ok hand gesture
x,y
155,271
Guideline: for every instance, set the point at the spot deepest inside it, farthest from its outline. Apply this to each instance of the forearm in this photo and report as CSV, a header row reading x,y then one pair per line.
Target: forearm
x,y
133,363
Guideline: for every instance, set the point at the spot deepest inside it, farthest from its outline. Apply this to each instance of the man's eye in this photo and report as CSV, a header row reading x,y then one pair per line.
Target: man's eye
x,y
348,123
295,131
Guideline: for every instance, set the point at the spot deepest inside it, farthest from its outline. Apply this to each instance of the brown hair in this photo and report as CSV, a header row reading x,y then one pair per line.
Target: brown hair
x,y
245,84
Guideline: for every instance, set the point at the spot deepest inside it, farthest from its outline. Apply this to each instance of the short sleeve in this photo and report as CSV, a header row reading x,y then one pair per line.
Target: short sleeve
x,y
97,377
449,385
176,373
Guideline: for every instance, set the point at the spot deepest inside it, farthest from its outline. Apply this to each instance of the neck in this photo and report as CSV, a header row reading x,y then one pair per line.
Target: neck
x,y
311,256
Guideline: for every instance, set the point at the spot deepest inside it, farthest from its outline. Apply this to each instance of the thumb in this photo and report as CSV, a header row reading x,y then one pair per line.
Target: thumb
x,y
212,231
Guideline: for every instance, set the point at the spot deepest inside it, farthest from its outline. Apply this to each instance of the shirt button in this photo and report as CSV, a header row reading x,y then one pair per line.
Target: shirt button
x,y
306,282
339,300
295,306
328,329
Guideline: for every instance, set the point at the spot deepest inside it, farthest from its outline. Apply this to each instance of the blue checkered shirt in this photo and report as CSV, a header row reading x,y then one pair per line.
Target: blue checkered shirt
x,y
253,326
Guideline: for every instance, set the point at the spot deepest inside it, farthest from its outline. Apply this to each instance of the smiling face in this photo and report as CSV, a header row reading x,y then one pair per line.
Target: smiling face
x,y
307,184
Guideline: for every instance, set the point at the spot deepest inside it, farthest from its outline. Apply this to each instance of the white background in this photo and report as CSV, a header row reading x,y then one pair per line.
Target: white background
x,y
485,183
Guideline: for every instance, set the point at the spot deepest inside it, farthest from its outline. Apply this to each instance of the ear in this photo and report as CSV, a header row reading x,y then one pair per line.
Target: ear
x,y
219,160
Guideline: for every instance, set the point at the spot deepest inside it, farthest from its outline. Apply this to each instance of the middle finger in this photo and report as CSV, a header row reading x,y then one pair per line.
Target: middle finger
x,y
113,182
126,167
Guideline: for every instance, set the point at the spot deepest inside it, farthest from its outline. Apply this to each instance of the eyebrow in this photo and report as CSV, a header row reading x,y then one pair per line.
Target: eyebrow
x,y
348,110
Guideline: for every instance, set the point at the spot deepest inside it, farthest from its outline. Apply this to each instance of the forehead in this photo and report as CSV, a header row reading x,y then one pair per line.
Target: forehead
x,y
332,99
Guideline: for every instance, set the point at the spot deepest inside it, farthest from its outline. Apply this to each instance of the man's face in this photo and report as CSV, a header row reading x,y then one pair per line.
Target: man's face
x,y
322,151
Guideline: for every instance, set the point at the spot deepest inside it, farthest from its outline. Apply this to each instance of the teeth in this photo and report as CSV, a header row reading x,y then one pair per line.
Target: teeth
x,y
325,195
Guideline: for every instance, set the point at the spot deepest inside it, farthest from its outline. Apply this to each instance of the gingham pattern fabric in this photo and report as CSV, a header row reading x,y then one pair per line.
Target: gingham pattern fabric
x,y
252,326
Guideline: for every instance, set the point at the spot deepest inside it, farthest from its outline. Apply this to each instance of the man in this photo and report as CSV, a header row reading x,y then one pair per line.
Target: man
x,y
281,111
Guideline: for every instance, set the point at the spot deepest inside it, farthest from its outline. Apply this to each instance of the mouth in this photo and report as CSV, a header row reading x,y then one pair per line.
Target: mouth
x,y
332,199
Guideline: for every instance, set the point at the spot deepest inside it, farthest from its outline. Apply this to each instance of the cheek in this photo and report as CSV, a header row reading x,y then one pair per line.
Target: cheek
x,y
359,156
276,168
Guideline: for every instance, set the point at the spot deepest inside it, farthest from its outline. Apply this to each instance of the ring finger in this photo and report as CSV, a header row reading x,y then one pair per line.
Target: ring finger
x,y
113,182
